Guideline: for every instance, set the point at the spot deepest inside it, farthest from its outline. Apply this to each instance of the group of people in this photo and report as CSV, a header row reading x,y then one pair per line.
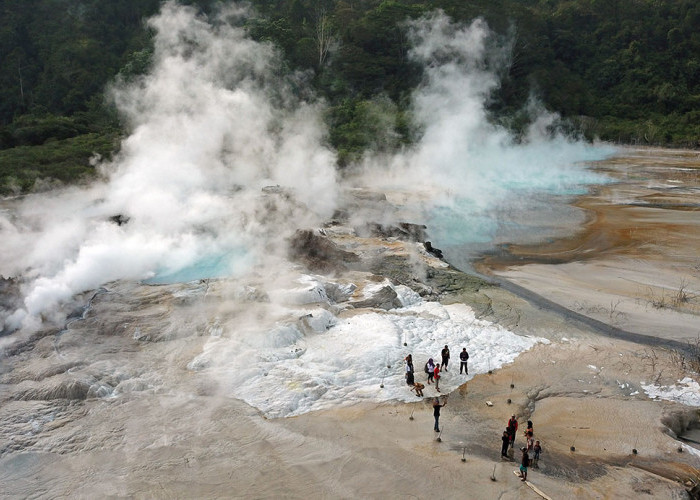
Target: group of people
x,y
433,369
532,449
530,452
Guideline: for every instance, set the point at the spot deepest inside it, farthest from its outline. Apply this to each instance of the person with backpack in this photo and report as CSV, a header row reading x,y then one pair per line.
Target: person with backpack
x,y
430,370
463,357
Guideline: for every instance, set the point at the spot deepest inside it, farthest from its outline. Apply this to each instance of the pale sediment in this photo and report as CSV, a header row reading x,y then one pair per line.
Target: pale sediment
x,y
634,265
168,431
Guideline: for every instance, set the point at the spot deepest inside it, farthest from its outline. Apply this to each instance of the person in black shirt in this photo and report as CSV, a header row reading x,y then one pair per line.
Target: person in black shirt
x,y
445,353
436,412
506,442
538,450
512,428
523,464
463,357
409,370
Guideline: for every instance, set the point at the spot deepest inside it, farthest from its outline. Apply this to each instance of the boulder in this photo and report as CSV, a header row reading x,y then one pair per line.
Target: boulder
x,y
318,253
404,231
383,298
431,249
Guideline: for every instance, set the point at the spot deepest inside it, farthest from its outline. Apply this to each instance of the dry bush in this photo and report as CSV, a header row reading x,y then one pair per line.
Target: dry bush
x,y
682,296
687,360
675,299
694,358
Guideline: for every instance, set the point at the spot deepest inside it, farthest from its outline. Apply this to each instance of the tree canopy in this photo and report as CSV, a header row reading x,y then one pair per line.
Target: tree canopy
x,y
621,70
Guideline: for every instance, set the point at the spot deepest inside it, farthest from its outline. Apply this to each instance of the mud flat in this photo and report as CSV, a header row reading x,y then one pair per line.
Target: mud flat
x,y
631,273
635,263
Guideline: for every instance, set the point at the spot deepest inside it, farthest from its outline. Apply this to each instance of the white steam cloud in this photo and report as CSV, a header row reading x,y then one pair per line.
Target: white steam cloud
x,y
214,122
468,167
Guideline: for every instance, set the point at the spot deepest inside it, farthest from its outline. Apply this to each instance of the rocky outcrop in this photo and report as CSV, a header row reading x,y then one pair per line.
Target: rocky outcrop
x,y
384,298
404,231
431,249
119,219
62,388
318,253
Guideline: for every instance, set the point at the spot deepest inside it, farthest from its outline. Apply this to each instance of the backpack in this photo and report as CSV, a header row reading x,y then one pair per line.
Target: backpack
x,y
427,370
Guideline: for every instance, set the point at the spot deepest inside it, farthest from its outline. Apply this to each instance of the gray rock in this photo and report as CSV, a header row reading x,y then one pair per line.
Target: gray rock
x,y
385,298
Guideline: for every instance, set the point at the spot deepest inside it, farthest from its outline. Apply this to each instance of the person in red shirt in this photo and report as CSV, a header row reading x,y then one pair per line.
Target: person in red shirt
x,y
436,375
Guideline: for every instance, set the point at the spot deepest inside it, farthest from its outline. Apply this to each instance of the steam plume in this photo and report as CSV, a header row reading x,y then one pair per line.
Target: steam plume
x,y
214,122
211,125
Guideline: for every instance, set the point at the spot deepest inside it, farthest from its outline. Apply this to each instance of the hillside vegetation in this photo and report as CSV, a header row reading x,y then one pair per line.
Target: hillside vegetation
x,y
623,70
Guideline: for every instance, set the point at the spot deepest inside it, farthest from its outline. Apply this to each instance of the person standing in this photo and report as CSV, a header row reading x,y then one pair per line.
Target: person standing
x,y
409,370
430,370
436,376
436,412
512,429
506,441
538,450
523,464
530,445
463,357
445,353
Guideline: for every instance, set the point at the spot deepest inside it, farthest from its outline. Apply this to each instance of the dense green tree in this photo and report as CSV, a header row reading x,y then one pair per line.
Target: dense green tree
x,y
625,70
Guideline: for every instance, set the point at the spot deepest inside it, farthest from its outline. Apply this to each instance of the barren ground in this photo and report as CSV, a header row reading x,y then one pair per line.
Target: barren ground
x,y
582,390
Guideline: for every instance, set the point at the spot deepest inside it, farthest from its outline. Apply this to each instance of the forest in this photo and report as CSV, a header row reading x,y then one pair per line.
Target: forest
x,y
626,71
